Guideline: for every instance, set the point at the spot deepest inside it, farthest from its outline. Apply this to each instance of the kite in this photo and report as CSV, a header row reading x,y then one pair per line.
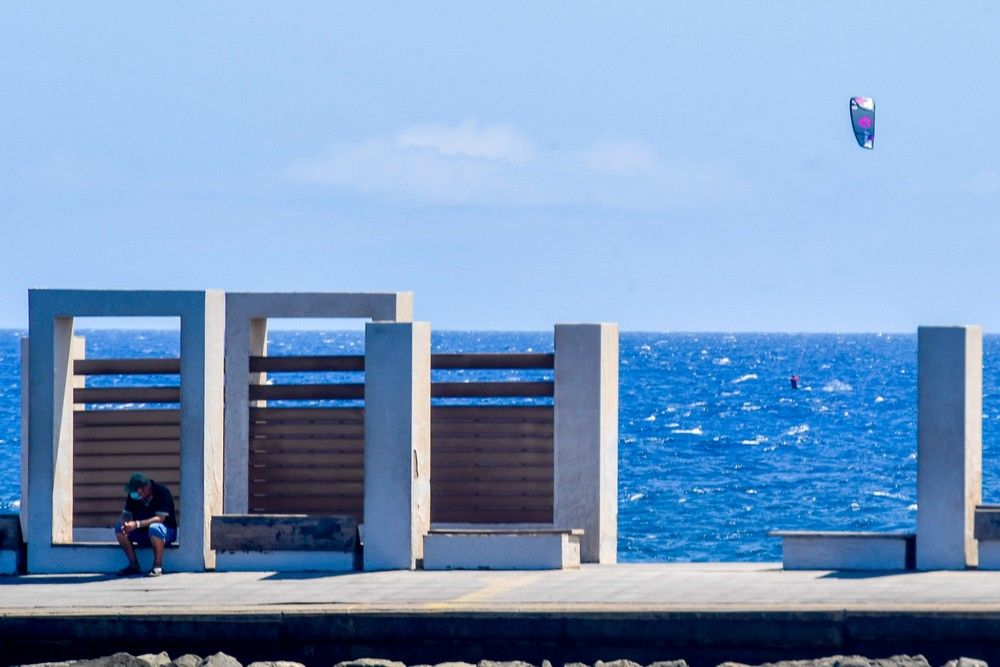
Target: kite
x,y
863,121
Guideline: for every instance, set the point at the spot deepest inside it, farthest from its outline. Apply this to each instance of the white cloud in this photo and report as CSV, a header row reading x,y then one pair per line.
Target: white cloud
x,y
498,166
986,182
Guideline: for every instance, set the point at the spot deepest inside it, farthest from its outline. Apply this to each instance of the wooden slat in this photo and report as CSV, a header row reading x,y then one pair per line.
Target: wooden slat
x,y
490,442
127,366
306,392
309,445
306,488
130,463
494,488
85,418
461,430
116,480
127,395
110,507
461,459
113,491
491,389
317,474
308,505
476,515
325,415
481,361
298,364
528,413
311,459
301,429
126,447
129,432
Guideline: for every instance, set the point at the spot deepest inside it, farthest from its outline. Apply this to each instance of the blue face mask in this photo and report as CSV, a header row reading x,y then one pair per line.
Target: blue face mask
x,y
135,495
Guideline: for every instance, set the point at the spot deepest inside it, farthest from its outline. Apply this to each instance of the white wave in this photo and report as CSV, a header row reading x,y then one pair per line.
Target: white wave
x,y
724,361
798,430
855,506
744,378
912,508
636,496
879,399
672,425
837,386
727,394
650,418
749,407
689,431
756,440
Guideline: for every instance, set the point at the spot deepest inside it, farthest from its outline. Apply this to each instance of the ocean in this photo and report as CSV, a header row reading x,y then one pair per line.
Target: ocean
x,y
715,448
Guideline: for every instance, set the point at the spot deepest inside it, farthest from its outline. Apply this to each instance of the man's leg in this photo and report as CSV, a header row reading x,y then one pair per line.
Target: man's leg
x,y
126,545
158,540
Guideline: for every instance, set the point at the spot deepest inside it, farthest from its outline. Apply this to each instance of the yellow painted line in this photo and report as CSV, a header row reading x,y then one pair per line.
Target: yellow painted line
x,y
490,591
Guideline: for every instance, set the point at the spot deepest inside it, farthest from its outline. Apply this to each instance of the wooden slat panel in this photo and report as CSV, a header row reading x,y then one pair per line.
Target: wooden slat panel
x,y
85,418
306,488
298,364
308,505
498,488
110,507
337,415
531,413
128,432
326,475
127,395
485,361
126,447
491,389
97,520
508,443
306,392
127,366
114,490
459,430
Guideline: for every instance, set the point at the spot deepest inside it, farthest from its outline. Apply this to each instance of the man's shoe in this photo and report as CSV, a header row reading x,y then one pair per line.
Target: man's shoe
x,y
155,572
130,571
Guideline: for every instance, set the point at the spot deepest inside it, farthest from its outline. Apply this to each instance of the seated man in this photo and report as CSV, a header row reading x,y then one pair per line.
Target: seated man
x,y
148,520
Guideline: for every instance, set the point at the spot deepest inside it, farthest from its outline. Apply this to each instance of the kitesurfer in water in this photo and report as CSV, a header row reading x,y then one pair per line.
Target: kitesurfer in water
x,y
794,380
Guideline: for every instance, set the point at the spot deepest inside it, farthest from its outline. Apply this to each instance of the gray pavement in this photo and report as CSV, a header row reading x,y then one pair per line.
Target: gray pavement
x,y
629,587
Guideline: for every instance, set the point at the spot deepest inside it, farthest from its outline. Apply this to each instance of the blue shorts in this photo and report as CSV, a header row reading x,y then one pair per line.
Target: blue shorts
x,y
140,536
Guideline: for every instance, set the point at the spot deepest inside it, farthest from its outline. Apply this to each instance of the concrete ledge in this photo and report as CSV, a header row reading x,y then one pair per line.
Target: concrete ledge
x,y
286,543
832,550
986,529
491,549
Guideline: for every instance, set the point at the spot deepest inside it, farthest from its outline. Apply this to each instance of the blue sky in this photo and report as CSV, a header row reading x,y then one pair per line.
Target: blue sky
x,y
668,166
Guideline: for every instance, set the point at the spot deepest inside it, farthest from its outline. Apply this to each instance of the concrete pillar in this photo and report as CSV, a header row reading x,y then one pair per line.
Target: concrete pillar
x,y
397,443
586,436
949,445
245,337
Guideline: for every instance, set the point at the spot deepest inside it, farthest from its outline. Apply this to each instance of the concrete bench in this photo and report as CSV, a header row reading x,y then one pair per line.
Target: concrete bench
x,y
833,550
502,548
986,529
285,542
10,544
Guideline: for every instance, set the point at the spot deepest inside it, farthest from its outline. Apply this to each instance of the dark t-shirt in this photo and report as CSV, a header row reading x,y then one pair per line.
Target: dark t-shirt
x,y
159,502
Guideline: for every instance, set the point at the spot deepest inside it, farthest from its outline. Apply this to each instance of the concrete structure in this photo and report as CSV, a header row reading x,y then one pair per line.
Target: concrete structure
x,y
817,550
246,335
50,538
586,436
949,445
987,534
397,443
499,549
255,542
10,544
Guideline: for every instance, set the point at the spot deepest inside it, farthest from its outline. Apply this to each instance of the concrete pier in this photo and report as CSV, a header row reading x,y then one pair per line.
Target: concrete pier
x,y
704,613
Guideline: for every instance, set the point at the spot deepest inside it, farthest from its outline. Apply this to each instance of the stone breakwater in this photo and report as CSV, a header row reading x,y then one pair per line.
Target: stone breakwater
x,y
223,660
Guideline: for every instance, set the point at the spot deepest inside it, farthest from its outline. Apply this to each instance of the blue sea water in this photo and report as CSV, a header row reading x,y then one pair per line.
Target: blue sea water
x,y
715,448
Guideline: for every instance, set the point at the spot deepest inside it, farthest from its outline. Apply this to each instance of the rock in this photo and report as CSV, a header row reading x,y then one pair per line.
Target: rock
x,y
845,661
160,659
668,663
220,660
617,663
966,662
115,660
370,662
576,664
276,663
510,663
456,664
186,660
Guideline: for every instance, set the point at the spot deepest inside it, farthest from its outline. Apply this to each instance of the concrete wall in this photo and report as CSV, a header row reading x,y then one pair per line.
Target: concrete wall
x,y
949,445
50,441
586,436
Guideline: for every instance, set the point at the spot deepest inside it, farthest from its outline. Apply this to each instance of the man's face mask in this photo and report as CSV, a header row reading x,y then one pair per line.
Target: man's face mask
x,y
135,495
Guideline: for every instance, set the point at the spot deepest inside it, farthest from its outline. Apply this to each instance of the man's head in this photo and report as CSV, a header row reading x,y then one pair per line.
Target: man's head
x,y
138,486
